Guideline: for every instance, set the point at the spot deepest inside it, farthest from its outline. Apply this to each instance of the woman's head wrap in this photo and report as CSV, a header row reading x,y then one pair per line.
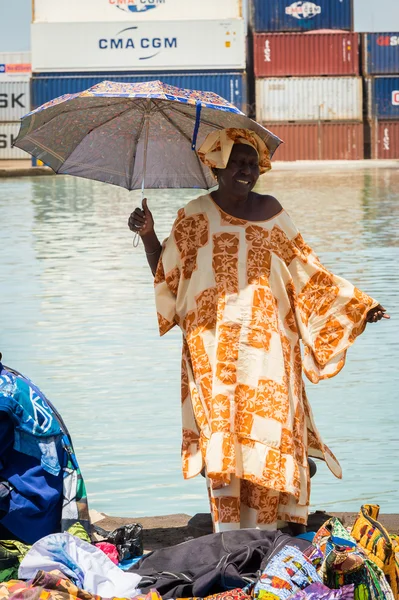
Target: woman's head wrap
x,y
216,149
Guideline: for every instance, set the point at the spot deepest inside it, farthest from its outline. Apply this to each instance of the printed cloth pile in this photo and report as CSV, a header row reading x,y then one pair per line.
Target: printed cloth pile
x,y
235,565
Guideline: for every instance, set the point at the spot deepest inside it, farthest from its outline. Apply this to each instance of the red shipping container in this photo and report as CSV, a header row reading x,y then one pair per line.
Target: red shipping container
x,y
319,141
283,54
385,139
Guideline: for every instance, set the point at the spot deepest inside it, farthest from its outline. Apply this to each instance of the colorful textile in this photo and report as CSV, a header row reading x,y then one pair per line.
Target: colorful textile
x,y
11,554
55,586
379,546
243,504
244,295
38,462
110,550
318,591
342,563
216,149
80,532
287,572
85,565
237,594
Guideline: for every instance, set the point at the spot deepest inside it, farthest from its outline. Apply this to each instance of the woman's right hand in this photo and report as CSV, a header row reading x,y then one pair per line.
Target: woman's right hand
x,y
141,220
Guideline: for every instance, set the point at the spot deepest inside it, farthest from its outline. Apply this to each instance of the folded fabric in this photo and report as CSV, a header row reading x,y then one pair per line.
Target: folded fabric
x,y
110,550
237,594
54,586
318,591
79,531
85,565
11,554
126,564
287,572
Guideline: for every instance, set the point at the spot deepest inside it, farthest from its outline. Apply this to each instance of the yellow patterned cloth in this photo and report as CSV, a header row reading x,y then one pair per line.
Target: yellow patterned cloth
x,y
245,294
216,149
381,547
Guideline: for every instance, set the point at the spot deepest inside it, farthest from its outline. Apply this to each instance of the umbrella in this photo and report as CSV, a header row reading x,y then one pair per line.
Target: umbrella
x,y
135,135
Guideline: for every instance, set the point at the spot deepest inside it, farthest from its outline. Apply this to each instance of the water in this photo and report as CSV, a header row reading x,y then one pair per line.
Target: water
x,y
78,317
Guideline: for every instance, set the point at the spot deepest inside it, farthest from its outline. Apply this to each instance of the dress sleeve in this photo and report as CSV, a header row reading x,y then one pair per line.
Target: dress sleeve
x,y
330,312
166,284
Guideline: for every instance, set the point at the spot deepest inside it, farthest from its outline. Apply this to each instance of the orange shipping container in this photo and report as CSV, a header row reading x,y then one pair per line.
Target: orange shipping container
x,y
385,139
319,141
282,54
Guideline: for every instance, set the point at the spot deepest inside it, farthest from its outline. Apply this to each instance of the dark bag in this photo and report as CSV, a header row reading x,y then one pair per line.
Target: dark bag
x,y
211,564
128,540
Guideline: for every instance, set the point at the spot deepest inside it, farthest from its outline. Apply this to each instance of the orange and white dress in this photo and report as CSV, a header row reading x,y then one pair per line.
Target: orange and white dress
x,y
245,295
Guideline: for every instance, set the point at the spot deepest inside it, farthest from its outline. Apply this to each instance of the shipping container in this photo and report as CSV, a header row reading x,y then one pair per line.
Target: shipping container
x,y
57,11
277,54
385,139
382,97
14,100
381,53
309,99
15,65
8,135
290,15
319,141
232,86
169,45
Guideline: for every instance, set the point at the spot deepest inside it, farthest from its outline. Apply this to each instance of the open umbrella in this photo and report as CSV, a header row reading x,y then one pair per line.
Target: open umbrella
x,y
132,135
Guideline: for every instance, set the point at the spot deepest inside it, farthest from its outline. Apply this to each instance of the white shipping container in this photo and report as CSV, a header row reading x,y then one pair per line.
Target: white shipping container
x,y
173,45
8,135
56,11
15,57
14,100
309,99
15,65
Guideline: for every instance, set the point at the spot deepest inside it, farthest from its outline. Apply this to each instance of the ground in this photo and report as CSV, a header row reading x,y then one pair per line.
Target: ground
x,y
161,532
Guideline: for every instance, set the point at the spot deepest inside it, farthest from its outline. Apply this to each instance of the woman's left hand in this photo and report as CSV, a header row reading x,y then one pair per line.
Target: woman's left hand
x,y
376,314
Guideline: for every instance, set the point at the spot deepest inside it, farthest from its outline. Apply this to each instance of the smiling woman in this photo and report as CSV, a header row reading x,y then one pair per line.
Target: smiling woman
x,y
237,277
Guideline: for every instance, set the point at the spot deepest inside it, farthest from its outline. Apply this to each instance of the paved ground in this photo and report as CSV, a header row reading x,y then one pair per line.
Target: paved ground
x,y
161,532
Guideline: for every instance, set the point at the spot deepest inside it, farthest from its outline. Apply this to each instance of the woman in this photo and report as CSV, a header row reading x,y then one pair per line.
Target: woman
x,y
238,278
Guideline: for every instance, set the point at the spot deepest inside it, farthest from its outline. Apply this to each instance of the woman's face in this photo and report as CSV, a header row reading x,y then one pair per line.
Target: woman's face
x,y
242,171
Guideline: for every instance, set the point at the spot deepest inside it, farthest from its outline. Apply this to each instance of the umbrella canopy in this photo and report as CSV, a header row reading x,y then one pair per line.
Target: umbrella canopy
x,y
132,135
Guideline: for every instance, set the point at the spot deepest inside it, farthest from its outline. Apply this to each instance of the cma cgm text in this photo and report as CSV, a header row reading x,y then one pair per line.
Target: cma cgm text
x,y
125,44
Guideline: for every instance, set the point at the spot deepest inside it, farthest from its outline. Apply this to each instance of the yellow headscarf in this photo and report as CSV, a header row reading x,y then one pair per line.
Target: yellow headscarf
x,y
216,149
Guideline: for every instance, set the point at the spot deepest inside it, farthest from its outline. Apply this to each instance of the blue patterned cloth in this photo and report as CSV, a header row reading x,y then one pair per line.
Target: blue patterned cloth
x,y
41,487
286,573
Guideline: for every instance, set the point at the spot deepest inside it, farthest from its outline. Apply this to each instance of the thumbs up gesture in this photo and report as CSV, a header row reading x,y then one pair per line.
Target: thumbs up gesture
x,y
141,220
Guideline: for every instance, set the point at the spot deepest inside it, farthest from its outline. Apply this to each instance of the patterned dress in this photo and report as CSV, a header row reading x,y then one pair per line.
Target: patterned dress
x,y
245,294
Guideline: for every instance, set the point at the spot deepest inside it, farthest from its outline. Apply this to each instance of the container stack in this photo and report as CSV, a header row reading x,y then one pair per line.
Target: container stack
x,y
189,44
307,84
381,71
15,71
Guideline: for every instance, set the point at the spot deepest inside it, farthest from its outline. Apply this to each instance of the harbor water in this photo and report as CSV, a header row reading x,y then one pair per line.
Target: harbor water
x,y
78,317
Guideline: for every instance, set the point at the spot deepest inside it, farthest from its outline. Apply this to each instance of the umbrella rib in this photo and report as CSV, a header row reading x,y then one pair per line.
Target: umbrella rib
x,y
192,118
136,142
188,139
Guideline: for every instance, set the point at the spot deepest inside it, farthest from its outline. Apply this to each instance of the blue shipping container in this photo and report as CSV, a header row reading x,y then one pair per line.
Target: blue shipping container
x,y
290,15
381,53
232,86
383,97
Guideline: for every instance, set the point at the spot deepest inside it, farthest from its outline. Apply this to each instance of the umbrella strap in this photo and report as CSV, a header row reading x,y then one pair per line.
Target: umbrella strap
x,y
196,126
